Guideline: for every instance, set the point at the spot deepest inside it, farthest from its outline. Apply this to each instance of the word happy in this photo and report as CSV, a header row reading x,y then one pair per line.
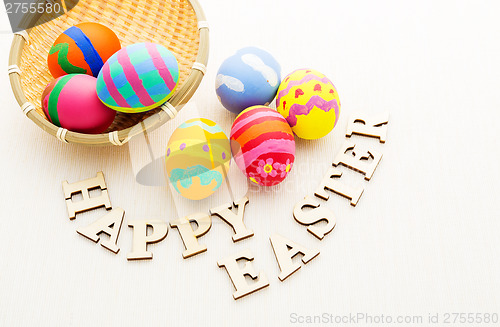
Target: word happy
x,y
307,212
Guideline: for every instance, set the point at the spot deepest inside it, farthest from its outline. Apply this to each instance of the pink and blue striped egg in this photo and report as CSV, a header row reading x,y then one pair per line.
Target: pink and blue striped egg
x,y
138,78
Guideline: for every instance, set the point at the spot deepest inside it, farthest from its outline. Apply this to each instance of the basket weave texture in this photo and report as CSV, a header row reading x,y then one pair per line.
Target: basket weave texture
x,y
171,23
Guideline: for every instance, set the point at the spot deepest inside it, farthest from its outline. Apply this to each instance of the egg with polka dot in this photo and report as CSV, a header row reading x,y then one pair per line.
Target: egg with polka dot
x,y
249,77
197,158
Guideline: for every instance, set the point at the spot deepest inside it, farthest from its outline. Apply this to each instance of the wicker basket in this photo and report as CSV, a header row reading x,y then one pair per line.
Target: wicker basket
x,y
179,25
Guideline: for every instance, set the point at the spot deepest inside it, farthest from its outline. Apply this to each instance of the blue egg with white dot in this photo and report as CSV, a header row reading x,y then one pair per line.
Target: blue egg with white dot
x,y
248,78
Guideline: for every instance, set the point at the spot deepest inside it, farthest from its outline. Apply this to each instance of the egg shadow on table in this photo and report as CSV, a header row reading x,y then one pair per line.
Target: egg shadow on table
x,y
153,174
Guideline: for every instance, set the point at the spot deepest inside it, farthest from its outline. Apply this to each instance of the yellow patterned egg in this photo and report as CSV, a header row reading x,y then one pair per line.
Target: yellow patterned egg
x,y
309,102
197,159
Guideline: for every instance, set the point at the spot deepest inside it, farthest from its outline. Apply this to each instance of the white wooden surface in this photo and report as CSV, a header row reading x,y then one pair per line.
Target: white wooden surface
x,y
423,238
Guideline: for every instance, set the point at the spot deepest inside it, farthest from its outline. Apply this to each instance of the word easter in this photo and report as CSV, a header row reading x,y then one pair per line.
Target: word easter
x,y
352,155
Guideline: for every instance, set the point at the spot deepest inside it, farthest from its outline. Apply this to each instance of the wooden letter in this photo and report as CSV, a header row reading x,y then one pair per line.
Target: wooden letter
x,y
84,187
237,274
285,250
110,224
357,160
331,182
371,126
235,221
190,237
313,216
141,239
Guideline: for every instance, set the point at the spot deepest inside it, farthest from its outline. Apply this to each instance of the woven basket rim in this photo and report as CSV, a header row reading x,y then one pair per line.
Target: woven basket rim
x,y
170,109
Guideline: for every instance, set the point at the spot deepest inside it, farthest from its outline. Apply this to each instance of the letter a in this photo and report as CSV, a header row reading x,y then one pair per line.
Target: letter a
x,y
110,224
285,250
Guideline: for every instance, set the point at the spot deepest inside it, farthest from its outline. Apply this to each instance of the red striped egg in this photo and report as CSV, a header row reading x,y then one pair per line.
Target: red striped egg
x,y
263,145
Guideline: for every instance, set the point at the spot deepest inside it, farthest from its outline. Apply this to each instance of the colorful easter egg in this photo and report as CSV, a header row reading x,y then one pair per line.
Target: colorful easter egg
x,y
82,49
263,145
72,103
248,78
309,102
138,78
197,159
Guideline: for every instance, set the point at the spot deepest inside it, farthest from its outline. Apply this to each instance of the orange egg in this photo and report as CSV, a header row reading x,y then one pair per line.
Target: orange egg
x,y
82,49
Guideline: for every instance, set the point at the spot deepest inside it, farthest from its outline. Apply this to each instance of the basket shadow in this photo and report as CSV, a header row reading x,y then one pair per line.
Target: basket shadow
x,y
110,158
